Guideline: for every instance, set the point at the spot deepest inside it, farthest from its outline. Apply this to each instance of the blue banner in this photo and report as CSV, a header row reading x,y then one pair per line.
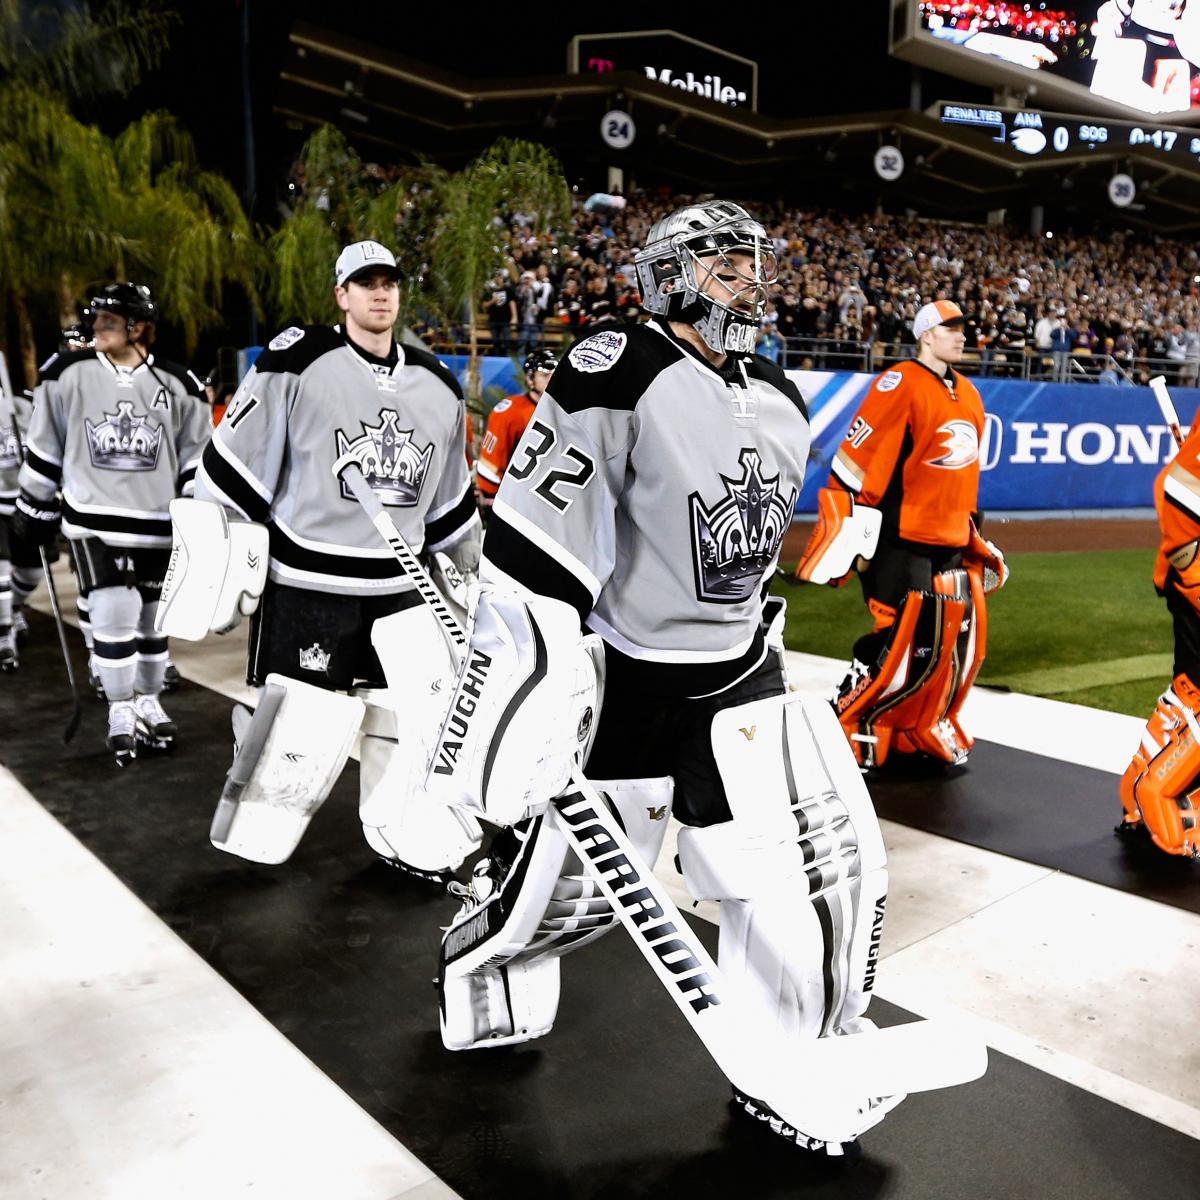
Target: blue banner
x,y
498,377
1046,445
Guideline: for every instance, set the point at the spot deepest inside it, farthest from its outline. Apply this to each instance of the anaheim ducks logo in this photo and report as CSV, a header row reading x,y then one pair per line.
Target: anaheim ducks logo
x,y
960,446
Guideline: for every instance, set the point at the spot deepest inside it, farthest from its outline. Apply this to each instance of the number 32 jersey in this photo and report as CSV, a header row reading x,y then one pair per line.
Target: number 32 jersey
x,y
652,492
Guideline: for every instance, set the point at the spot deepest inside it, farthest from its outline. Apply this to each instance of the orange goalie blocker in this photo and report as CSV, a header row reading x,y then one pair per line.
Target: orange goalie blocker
x,y
909,700
843,539
1161,786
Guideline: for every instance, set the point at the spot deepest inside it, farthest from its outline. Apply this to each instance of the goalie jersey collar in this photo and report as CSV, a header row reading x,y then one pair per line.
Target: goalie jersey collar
x,y
731,372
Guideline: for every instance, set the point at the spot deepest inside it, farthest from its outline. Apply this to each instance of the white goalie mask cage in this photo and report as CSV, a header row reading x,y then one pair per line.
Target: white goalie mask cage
x,y
694,245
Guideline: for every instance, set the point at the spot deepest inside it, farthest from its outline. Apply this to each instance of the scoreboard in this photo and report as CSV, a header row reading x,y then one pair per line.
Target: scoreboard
x,y
1043,134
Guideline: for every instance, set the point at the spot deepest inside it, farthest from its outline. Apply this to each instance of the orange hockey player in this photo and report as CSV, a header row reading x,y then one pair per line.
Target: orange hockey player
x,y
1160,790
908,468
505,424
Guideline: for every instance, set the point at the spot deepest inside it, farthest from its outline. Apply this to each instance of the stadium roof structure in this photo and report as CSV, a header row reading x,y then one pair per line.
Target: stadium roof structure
x,y
412,110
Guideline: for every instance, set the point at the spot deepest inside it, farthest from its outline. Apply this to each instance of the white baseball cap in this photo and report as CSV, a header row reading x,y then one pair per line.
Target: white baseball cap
x,y
940,312
360,257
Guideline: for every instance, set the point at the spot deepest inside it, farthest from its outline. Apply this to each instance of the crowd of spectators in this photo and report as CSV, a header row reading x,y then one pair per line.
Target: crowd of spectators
x,y
1120,306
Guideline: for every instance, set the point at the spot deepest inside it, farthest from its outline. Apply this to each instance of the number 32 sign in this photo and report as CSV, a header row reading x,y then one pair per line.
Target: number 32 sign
x,y
617,129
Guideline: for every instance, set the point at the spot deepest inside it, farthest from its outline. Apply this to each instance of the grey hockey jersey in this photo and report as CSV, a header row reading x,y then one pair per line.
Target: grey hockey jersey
x,y
120,443
652,492
10,451
311,397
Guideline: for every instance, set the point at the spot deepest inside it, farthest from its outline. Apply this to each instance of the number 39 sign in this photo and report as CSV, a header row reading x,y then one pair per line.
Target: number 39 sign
x,y
617,129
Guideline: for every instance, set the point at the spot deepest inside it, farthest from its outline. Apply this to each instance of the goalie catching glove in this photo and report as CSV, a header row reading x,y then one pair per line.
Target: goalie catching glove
x,y
991,561
523,709
843,540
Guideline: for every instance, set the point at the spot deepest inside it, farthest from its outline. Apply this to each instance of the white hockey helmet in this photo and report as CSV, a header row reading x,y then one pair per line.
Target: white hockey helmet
x,y
685,250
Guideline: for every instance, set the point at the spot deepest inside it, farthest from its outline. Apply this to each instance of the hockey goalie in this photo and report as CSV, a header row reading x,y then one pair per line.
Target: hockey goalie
x,y
900,510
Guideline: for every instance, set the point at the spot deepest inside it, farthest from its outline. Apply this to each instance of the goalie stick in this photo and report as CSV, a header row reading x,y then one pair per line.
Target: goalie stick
x,y
1158,385
804,1083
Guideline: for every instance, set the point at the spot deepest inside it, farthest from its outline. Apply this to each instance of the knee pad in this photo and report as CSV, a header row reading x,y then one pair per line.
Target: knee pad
x,y
533,903
289,756
800,870
114,612
1161,786
910,697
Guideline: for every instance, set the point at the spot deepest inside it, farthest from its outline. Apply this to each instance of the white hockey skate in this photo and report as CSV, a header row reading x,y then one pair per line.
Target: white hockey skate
x,y
94,678
9,658
171,677
20,623
154,728
122,731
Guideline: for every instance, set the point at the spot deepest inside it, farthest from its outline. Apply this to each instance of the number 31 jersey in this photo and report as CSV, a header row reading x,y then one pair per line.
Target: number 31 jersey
x,y
652,492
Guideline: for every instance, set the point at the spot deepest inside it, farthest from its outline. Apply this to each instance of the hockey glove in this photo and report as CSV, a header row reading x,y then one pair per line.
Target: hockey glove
x,y
35,522
1185,572
987,554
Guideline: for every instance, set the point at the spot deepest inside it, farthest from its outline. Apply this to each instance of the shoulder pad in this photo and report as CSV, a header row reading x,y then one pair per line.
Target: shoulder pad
x,y
758,367
56,364
612,368
191,383
296,348
417,356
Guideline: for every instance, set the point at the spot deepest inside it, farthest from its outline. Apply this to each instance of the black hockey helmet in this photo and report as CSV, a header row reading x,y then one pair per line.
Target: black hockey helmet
x,y
129,300
76,336
540,360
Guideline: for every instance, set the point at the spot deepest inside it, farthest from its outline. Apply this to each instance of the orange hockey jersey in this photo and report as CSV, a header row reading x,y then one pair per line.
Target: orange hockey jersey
x,y
912,451
505,424
1177,499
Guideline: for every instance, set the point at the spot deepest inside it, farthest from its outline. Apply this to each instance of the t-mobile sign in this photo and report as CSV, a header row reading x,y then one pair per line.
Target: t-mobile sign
x,y
671,58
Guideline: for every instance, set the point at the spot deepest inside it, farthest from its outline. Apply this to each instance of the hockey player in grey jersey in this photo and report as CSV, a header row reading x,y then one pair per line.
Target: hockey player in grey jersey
x,y
119,432
10,465
646,504
315,395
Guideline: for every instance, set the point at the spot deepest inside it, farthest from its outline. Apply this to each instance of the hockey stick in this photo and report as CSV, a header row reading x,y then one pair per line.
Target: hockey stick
x,y
1158,385
77,715
802,1079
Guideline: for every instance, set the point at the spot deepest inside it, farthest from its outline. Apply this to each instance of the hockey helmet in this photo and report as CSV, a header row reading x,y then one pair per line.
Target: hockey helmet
x,y
540,360
686,249
129,300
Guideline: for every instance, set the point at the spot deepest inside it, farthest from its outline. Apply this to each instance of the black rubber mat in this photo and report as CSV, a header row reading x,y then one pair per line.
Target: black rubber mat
x,y
1036,809
338,952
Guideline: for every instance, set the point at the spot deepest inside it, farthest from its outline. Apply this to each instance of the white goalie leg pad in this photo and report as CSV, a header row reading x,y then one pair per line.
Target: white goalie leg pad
x,y
289,756
522,710
401,821
216,574
499,976
801,876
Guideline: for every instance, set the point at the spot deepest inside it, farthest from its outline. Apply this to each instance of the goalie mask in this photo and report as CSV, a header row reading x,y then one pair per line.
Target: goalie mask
x,y
709,266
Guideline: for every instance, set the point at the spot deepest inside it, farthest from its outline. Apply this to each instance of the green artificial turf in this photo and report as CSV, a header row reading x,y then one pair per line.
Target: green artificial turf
x,y
1082,627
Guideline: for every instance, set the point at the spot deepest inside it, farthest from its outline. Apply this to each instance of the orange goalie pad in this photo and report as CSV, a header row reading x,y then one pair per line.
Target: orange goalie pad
x,y
911,700
1161,786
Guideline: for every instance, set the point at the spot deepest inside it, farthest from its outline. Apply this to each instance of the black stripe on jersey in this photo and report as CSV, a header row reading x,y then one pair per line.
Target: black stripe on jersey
x,y
191,384
43,466
530,565
56,364
1189,512
761,368
320,562
234,486
102,523
645,676
449,523
315,342
415,356
642,357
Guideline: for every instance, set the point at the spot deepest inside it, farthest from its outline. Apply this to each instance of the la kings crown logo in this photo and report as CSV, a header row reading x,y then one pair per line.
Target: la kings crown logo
x,y
123,442
390,461
735,541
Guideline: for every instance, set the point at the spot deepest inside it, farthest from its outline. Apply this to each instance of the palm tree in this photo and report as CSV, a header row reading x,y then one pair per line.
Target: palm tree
x,y
441,225
51,58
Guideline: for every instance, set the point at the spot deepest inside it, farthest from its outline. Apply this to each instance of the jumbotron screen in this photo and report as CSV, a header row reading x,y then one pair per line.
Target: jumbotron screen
x,y
1143,54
